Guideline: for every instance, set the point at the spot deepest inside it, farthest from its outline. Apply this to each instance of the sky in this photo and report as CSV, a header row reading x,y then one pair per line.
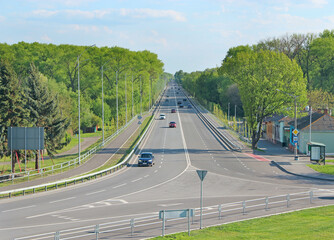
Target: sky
x,y
188,35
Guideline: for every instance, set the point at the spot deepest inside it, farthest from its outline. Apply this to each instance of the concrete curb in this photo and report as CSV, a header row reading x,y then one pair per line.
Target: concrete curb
x,y
299,175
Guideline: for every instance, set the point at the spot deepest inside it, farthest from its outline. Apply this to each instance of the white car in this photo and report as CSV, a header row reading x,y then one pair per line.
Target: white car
x,y
162,116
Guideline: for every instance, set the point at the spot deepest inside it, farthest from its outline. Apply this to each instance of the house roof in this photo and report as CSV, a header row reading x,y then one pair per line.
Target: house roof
x,y
320,121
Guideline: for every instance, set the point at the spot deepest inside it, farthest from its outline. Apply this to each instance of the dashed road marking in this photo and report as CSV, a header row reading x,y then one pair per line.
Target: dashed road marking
x,y
120,185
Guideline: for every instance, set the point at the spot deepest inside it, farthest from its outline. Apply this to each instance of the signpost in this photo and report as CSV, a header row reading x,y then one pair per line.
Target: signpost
x,y
167,214
201,175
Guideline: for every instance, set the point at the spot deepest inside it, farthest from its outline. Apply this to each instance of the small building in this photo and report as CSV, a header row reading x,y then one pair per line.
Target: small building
x,y
322,131
276,129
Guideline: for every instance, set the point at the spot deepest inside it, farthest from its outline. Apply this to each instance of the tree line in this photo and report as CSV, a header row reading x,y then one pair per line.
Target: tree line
x,y
265,78
39,87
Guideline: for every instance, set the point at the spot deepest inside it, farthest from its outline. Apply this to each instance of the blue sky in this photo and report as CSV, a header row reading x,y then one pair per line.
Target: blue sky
x,y
191,35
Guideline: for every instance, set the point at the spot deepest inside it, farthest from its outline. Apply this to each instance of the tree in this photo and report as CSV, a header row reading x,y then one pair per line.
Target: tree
x,y
45,112
12,111
258,76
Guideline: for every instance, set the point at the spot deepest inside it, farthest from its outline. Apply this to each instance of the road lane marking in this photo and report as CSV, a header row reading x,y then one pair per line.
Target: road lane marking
x,y
169,205
155,171
95,192
120,185
136,180
146,176
15,209
60,200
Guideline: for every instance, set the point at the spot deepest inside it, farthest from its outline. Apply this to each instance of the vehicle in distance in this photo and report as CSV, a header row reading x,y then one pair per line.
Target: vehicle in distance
x,y
172,124
189,106
173,111
146,159
184,99
179,102
181,106
162,116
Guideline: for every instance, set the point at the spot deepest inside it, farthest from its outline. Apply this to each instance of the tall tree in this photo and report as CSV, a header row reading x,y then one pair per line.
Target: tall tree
x,y
12,111
45,112
259,75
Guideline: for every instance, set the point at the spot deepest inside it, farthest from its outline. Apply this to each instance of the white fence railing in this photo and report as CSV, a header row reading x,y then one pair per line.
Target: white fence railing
x,y
140,226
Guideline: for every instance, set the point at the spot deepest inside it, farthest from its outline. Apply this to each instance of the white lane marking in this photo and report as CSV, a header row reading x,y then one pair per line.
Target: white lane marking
x,y
169,205
60,200
15,209
155,171
160,166
66,218
120,185
136,180
146,176
95,192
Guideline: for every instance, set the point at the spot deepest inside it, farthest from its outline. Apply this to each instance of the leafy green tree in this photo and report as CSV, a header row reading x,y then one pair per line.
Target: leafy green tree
x,y
259,75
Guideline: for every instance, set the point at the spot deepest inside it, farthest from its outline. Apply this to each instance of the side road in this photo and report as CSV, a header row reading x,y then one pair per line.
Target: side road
x,y
97,160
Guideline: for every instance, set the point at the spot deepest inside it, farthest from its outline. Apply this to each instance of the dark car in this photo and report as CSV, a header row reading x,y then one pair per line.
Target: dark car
x,y
184,99
179,102
146,159
189,106
181,106
173,111
172,124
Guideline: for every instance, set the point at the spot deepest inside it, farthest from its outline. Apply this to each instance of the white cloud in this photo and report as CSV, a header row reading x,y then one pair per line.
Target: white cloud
x,y
2,18
44,13
318,3
153,13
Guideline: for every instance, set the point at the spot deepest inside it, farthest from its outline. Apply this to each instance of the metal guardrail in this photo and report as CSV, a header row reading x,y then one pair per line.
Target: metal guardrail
x,y
216,212
87,176
225,141
64,165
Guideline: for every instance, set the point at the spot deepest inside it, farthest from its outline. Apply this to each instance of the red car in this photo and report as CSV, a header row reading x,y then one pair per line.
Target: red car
x,y
173,110
172,124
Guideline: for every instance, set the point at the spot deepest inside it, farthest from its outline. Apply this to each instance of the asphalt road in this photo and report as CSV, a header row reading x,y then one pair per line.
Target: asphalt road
x,y
171,183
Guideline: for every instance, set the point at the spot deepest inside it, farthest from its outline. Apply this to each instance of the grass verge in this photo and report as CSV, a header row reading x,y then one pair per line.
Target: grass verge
x,y
316,223
327,169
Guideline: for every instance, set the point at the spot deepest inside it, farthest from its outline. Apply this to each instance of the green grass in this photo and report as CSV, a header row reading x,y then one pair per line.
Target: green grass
x,y
316,223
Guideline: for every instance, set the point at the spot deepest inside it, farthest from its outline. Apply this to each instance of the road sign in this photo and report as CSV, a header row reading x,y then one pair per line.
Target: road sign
x,y
176,213
295,139
139,122
295,132
201,174
140,117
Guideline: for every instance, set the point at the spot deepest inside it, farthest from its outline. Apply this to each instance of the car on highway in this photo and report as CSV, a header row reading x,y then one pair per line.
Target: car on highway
x,y
146,159
172,124
184,99
189,106
181,106
179,102
173,111
162,116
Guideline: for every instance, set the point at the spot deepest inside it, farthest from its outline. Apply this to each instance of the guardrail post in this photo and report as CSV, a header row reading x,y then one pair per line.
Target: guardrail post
x,y
23,192
267,202
46,188
244,207
97,230
132,224
311,197
287,200
220,211
163,223
56,185
33,190
65,183
10,195
61,167
57,236
52,169
28,175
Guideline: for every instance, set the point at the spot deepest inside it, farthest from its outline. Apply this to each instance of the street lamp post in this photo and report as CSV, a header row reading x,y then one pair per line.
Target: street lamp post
x,y
79,126
117,100
103,102
126,103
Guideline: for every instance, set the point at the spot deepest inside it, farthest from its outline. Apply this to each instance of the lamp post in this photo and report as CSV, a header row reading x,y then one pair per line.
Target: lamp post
x,y
103,102
117,100
295,98
78,60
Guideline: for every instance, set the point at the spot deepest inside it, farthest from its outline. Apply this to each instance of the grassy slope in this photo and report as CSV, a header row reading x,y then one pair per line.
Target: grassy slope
x,y
314,223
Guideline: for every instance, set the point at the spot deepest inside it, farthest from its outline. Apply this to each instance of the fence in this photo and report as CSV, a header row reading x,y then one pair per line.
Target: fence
x,y
136,227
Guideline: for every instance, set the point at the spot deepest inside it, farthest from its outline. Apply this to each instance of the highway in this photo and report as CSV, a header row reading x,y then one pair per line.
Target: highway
x,y
171,183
